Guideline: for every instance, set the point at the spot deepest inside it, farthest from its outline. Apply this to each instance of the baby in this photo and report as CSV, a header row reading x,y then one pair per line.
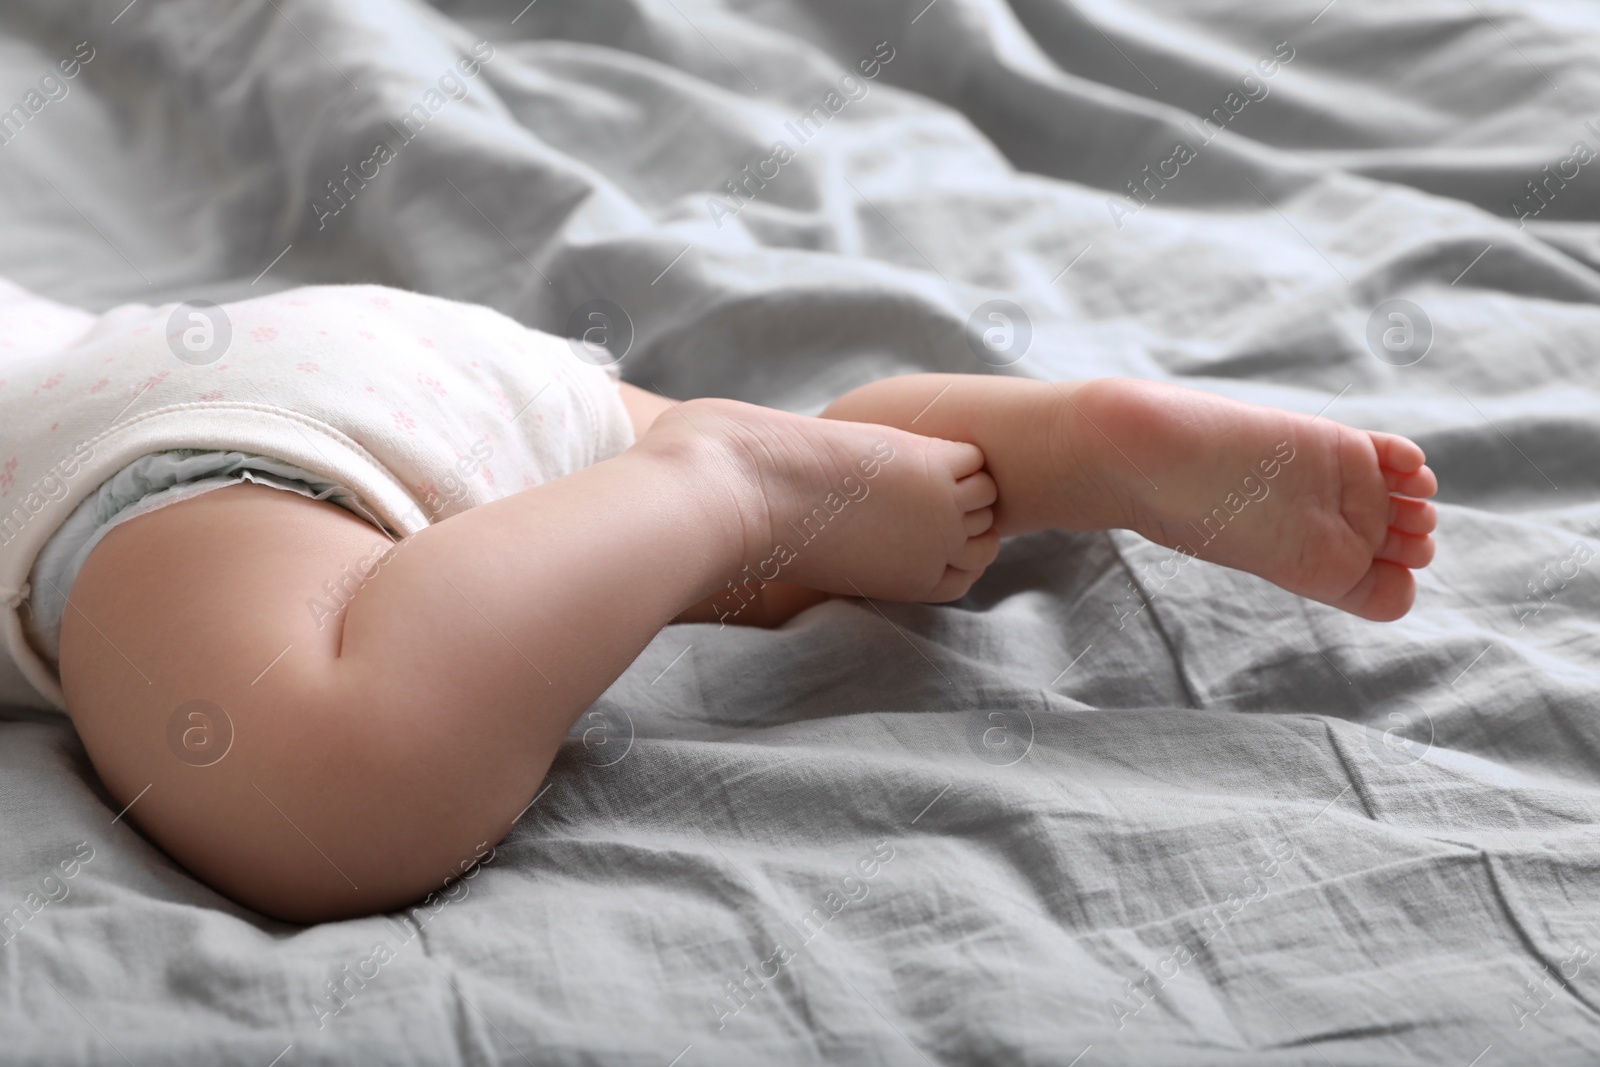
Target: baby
x,y
324,578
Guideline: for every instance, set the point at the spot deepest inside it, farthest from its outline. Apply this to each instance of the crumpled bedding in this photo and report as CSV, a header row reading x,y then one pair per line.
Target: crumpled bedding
x,y
1099,812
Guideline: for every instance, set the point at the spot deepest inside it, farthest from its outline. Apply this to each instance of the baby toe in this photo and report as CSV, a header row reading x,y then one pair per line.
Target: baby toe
x,y
962,460
978,552
979,521
1408,550
976,491
1383,594
1412,516
954,585
1398,453
1420,482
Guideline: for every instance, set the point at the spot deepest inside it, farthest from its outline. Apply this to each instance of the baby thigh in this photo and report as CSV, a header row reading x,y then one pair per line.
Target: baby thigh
x,y
200,661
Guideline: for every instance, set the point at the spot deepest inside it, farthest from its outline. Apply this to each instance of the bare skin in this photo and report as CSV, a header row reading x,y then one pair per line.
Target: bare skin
x,y
385,749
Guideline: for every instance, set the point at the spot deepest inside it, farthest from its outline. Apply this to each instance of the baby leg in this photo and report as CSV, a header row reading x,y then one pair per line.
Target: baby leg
x,y
1190,470
380,748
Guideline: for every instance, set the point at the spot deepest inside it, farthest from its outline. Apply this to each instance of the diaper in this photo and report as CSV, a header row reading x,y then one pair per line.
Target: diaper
x,y
404,408
146,484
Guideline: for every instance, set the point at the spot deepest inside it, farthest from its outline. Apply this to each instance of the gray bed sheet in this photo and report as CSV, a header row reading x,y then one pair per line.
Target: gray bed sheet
x,y
1110,818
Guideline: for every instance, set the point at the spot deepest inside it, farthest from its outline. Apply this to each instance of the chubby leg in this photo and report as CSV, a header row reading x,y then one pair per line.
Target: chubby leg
x,y
1330,512
377,751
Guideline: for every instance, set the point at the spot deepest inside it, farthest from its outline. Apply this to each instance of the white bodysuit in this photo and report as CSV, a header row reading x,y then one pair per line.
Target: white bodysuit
x,y
404,408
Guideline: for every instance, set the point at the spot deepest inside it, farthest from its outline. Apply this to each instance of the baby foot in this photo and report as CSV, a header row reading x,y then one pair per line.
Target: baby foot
x,y
1323,510
844,507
